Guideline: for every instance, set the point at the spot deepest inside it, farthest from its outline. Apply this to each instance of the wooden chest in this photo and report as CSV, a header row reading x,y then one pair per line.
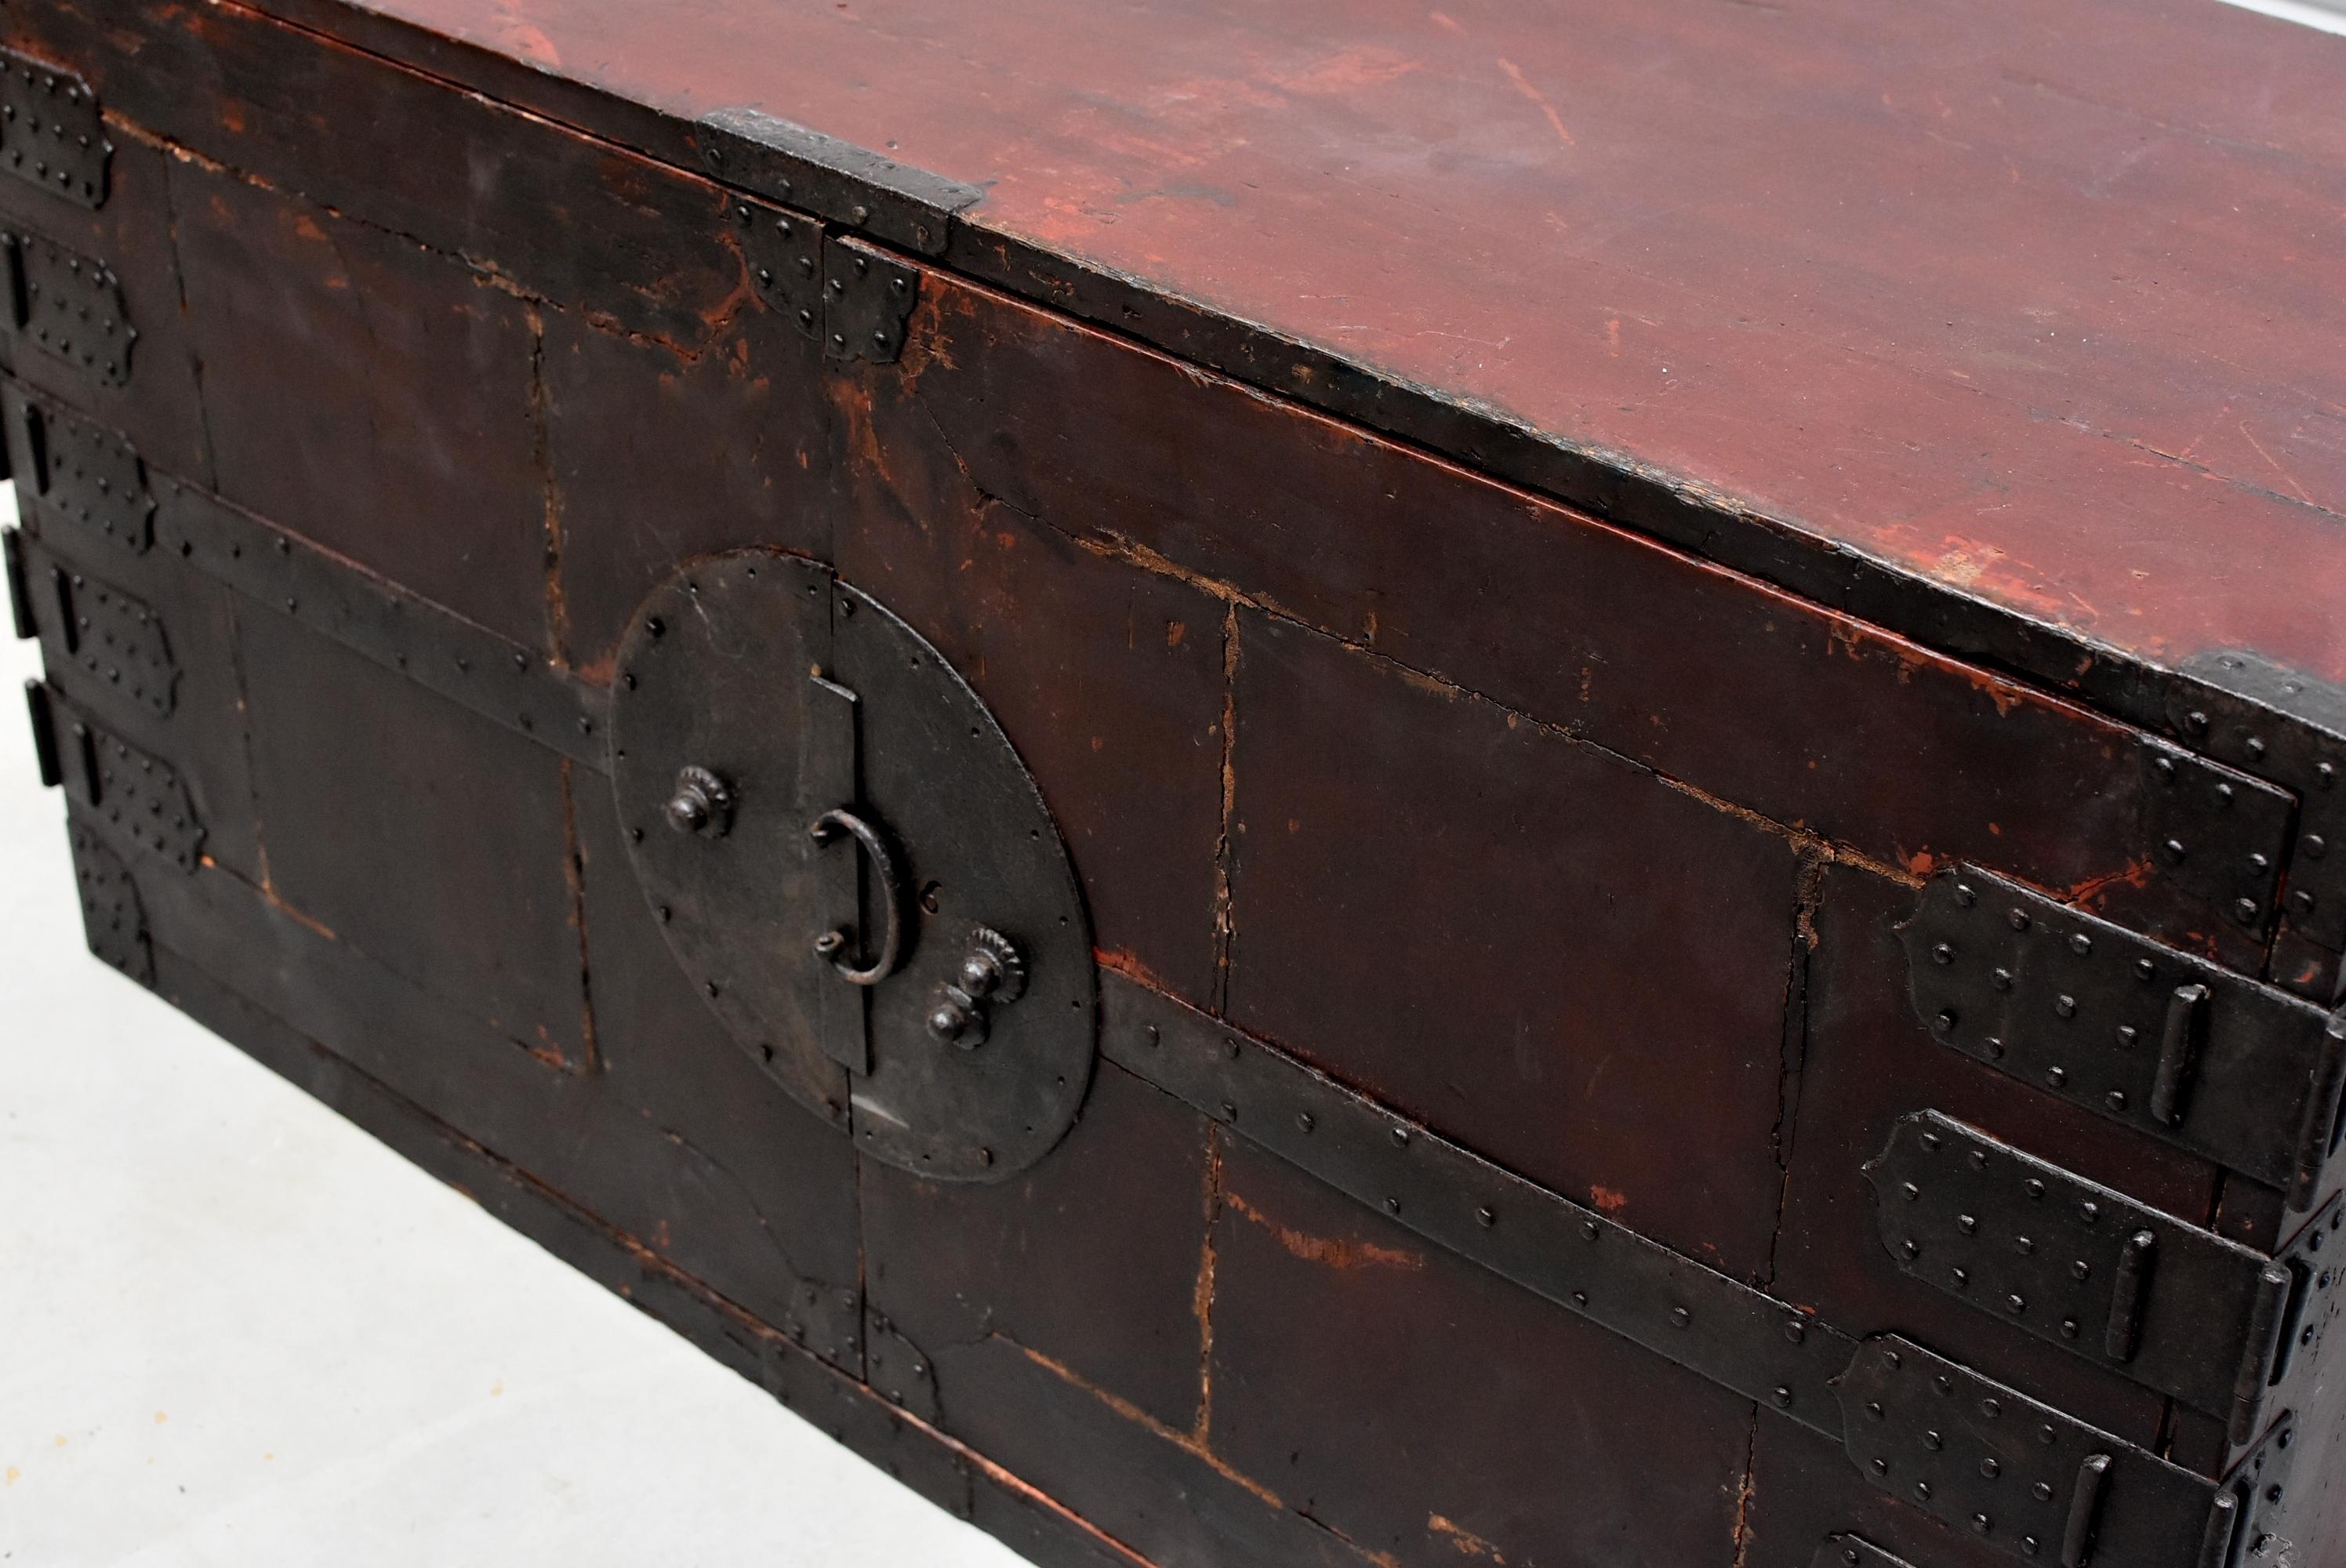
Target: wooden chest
x,y
1291,785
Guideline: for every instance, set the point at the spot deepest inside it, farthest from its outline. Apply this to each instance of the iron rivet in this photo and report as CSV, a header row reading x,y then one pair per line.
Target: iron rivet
x,y
1486,1217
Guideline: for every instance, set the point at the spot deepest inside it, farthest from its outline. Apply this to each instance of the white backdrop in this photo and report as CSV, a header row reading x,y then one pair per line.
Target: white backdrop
x,y
237,1331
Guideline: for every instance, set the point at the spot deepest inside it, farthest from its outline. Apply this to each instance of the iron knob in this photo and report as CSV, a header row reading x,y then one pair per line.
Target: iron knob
x,y
702,803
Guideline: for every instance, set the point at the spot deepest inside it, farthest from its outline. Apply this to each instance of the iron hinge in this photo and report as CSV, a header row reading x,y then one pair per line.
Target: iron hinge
x,y
20,583
2165,1303
84,476
848,294
2025,1477
114,638
51,132
47,760
123,788
2183,1050
68,305
112,917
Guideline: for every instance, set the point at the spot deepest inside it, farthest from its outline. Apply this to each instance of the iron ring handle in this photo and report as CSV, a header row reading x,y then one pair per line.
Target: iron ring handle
x,y
883,862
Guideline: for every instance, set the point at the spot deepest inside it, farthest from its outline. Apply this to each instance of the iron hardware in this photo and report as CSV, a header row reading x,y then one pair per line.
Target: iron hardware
x,y
84,476
112,917
993,974
838,943
847,184
513,686
1852,1551
20,587
784,253
116,638
69,306
51,133
2242,1073
867,296
2292,729
897,1370
2163,1302
46,760
885,845
2179,1046
2033,1474
127,790
846,293
2214,833
703,803
95,480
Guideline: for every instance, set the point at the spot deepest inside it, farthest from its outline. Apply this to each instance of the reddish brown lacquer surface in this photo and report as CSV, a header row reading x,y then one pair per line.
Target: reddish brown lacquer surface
x,y
2042,305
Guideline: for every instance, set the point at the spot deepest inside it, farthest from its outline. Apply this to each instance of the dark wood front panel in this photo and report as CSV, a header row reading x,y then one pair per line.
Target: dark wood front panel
x,y
426,836
371,395
697,1151
1816,720
1094,1261
655,453
1109,680
1431,1412
1533,946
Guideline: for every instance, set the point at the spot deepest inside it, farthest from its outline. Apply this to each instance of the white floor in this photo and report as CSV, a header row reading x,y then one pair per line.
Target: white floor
x,y
234,1330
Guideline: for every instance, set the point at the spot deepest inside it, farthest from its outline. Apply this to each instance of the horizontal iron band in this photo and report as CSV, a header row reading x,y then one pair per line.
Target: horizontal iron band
x,y
476,669
2162,1042
1889,1402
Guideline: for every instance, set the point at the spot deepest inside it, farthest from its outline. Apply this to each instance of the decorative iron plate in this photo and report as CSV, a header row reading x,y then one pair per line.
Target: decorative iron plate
x,y
2239,725
2189,1053
111,914
2165,1303
86,478
115,638
868,296
51,133
784,251
2215,833
126,789
71,306
2015,1473
830,827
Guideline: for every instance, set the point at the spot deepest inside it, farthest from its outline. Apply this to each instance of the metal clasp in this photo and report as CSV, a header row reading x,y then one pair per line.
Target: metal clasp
x,y
836,943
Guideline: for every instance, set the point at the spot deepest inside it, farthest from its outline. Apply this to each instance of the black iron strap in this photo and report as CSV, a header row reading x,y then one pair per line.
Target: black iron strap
x,y
2194,1054
2165,1303
1956,1444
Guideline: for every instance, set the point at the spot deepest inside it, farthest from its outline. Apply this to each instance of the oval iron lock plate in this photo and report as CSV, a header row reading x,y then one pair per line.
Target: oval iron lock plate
x,y
852,865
